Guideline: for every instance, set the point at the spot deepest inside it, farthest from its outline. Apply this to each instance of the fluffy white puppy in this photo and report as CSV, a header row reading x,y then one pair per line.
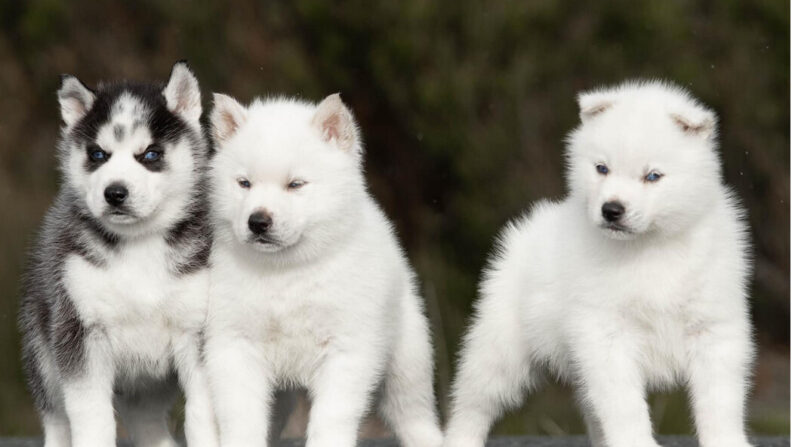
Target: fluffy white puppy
x,y
309,286
636,281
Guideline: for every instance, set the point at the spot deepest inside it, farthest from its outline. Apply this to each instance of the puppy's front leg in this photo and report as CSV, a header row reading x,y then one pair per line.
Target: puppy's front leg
x,y
200,426
720,357
613,387
340,394
241,390
88,396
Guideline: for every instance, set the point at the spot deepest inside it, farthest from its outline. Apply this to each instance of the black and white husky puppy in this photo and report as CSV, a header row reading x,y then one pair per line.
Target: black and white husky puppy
x,y
116,291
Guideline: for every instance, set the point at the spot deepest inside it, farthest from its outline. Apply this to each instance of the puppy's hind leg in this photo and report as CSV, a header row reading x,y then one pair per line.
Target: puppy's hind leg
x,y
408,404
494,373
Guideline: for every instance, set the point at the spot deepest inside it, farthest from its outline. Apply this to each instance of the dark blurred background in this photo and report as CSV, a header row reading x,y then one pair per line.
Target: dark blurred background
x,y
463,106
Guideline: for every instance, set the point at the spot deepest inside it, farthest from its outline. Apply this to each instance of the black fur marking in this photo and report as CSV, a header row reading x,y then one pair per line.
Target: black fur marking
x,y
192,236
166,126
42,401
68,337
196,262
48,320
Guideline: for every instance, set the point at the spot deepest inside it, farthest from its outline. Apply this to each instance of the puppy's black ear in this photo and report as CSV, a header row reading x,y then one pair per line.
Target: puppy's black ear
x,y
227,116
593,103
697,121
336,124
75,99
182,93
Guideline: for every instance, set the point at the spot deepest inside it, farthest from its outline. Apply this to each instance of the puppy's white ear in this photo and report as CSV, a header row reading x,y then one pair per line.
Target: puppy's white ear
x,y
697,122
182,93
75,99
227,116
594,103
335,123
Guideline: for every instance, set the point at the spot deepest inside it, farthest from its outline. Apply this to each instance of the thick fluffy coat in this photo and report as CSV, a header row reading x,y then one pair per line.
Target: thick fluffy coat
x,y
636,280
309,286
116,292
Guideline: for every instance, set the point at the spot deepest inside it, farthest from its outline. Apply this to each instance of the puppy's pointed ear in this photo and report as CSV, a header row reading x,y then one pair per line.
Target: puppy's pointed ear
x,y
227,116
594,103
697,122
182,93
336,124
75,99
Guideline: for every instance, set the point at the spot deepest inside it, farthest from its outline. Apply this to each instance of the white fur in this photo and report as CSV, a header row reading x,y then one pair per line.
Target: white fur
x,y
616,313
330,303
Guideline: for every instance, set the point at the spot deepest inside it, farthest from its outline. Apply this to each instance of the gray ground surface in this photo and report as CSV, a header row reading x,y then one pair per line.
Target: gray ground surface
x,y
573,441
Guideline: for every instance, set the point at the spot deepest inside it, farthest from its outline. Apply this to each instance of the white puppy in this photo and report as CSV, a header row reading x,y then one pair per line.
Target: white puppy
x,y
310,287
636,281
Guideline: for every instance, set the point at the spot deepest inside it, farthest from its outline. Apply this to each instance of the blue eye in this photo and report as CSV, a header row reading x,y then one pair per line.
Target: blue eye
x,y
295,184
95,153
602,169
153,153
652,176
244,183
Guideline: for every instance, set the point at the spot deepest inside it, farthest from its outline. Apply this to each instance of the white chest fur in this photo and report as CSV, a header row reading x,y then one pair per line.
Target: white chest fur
x,y
296,315
136,301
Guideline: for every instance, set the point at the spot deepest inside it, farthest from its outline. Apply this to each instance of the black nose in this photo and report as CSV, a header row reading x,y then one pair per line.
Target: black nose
x,y
612,211
260,222
116,194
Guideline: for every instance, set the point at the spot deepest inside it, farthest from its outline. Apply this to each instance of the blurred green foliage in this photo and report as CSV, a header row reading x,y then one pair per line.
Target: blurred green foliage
x,y
463,105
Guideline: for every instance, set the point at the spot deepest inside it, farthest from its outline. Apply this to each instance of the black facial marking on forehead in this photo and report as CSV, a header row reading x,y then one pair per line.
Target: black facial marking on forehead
x,y
118,132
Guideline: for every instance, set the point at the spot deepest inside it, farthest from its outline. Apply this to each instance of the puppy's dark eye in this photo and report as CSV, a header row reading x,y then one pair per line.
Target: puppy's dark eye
x,y
153,153
602,169
96,154
296,184
652,177
244,183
